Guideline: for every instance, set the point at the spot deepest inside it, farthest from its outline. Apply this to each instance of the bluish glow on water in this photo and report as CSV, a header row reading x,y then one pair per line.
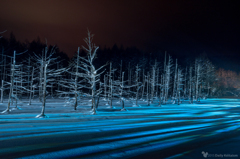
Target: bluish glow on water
x,y
83,129
213,113
236,127
114,145
120,134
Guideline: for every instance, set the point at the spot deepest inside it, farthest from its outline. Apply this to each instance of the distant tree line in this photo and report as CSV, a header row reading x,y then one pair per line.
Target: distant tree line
x,y
35,69
227,83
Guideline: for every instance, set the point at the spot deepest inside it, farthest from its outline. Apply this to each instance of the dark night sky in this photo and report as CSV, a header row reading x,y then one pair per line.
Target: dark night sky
x,y
178,26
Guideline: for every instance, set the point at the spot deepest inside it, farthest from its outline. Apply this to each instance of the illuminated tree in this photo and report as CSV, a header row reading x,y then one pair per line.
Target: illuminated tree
x,y
175,83
153,81
32,87
91,75
199,68
46,75
72,84
190,95
137,83
112,84
14,79
179,85
166,78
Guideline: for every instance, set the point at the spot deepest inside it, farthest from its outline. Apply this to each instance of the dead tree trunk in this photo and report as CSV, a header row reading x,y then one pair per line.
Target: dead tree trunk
x,y
31,87
190,86
42,115
76,84
11,84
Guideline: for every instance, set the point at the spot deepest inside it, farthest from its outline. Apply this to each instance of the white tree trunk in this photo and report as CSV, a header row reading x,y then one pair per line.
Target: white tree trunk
x,y
42,115
11,84
75,84
31,88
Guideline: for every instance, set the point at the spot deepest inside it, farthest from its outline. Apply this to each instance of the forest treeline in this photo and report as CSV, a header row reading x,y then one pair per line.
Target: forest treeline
x,y
34,69
115,54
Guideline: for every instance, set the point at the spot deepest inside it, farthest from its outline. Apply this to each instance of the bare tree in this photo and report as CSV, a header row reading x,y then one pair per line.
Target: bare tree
x,y
3,74
137,83
160,85
111,85
11,83
175,83
198,77
167,77
105,86
144,84
32,87
148,85
190,96
153,81
91,75
185,84
179,85
121,92
76,80
72,85
19,84
46,74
